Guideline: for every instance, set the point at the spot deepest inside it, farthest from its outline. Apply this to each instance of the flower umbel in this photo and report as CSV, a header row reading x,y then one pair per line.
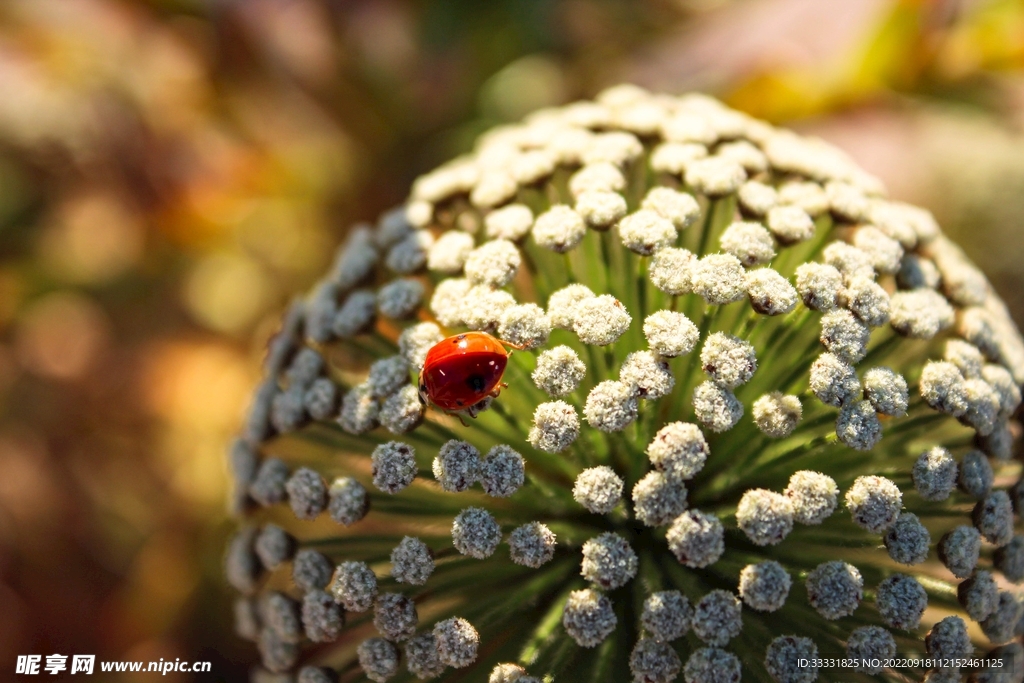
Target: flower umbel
x,y
760,412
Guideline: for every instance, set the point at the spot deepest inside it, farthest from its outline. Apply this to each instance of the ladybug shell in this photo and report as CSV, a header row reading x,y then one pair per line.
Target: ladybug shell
x,y
462,370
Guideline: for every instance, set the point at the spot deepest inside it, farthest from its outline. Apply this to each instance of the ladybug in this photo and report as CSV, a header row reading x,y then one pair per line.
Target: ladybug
x,y
463,370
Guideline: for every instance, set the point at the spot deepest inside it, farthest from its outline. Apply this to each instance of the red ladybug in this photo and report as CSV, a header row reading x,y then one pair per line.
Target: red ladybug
x,y
463,370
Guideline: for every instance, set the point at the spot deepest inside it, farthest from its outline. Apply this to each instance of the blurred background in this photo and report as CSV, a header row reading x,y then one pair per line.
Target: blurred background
x,y
173,171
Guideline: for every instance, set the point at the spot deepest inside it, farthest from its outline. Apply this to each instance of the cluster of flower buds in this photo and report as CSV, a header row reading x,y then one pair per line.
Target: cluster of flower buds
x,y
758,412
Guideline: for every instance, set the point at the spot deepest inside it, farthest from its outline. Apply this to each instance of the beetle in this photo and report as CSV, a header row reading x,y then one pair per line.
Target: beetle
x,y
463,370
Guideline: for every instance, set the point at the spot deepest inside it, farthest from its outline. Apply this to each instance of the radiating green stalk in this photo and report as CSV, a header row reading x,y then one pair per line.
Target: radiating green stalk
x,y
542,635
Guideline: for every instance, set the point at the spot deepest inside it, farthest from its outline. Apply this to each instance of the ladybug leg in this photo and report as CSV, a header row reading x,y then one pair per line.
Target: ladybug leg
x,y
517,347
458,414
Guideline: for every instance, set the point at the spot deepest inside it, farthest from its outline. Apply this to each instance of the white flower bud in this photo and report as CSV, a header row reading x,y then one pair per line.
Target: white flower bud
x,y
379,659
671,269
777,415
934,474
457,466
475,533
667,615
756,198
493,263
833,380
716,407
769,292
598,489
503,471
791,659
670,334
719,279
808,196
849,260
600,320
790,224
602,177
867,300
885,253
711,665
483,307
678,207
993,517
764,516
751,243
615,148
562,305
847,201
457,642
608,561
657,500
511,222
716,617
646,231
728,360
555,427
870,646
942,386
715,176
559,371
649,376
415,341
764,586
559,229
448,254
949,639
874,502
814,496
394,466
601,209
525,325
844,335
835,589
402,411
532,545
907,540
400,298
685,127
959,550
588,617
675,157
611,406
410,253
448,299
921,313
819,285
696,539
745,154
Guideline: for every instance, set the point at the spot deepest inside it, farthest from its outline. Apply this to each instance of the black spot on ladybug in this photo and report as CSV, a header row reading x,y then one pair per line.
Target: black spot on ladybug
x,y
475,383
458,339
459,402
